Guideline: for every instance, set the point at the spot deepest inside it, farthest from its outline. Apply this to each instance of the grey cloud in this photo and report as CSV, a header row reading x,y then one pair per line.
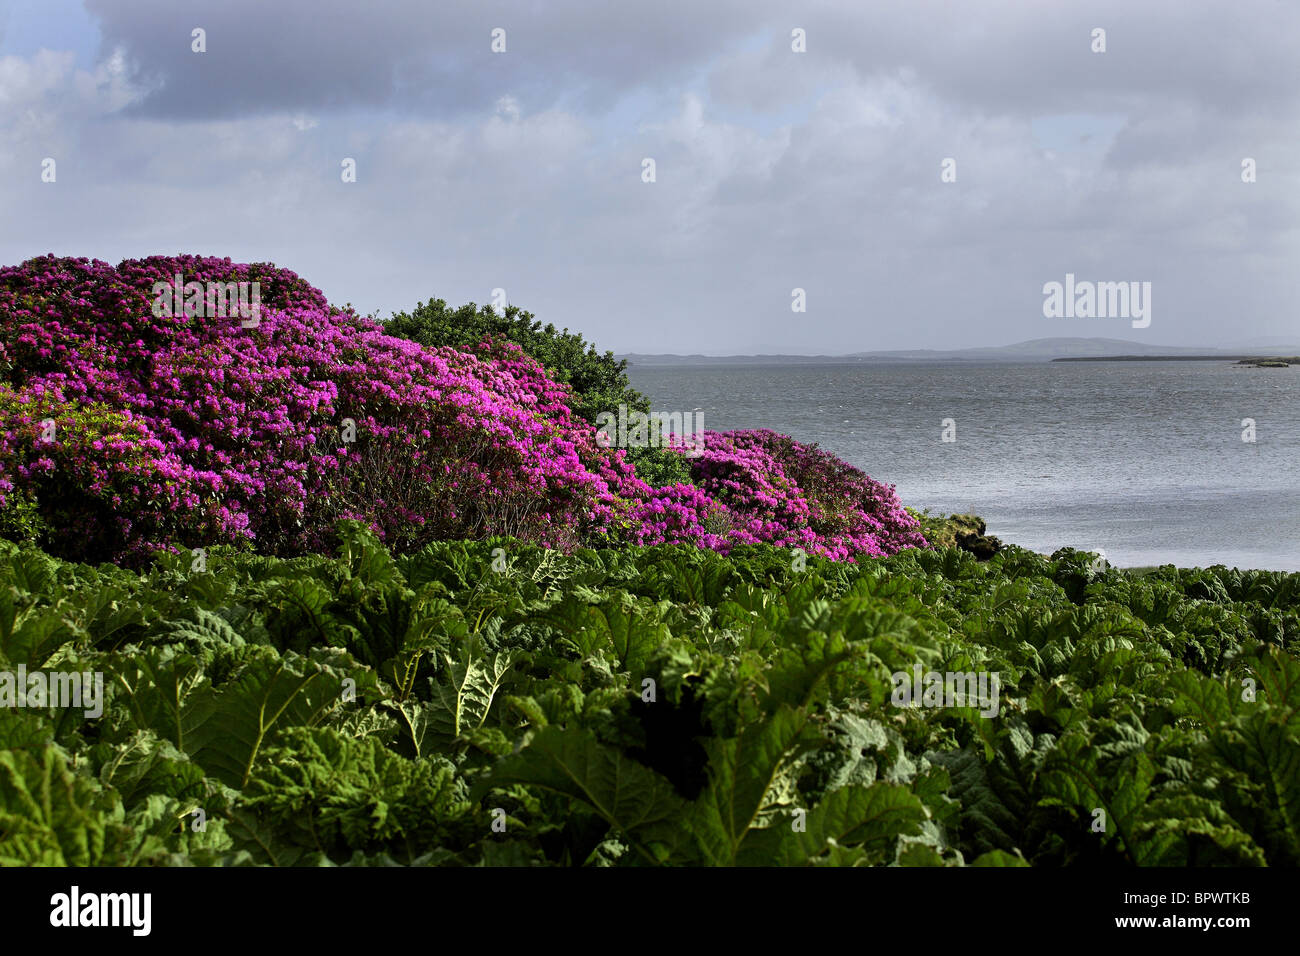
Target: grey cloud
x,y
775,170
1036,57
408,55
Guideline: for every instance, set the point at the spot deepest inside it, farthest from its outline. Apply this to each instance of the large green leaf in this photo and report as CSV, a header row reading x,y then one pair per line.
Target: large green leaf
x,y
1074,777
867,818
461,698
50,815
30,634
223,729
743,773
630,797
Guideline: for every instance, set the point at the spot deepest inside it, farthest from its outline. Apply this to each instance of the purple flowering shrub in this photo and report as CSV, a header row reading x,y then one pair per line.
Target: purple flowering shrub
x,y
123,431
101,479
462,445
784,493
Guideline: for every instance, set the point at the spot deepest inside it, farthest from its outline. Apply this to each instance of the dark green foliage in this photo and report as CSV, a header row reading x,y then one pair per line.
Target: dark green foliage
x,y
649,706
599,381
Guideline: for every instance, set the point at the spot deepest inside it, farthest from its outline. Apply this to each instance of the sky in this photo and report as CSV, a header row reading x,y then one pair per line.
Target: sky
x,y
776,169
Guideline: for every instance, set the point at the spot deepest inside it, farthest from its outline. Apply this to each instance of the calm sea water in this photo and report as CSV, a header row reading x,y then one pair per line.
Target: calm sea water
x,y
1144,460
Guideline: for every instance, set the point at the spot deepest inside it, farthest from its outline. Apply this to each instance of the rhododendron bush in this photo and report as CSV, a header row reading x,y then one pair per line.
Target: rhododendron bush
x,y
123,431
785,493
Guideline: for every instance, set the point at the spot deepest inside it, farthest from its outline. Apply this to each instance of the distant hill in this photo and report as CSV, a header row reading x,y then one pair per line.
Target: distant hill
x,y
1048,349
1034,350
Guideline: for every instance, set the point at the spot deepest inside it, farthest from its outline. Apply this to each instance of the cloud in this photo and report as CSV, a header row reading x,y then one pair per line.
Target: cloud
x,y
775,169
404,55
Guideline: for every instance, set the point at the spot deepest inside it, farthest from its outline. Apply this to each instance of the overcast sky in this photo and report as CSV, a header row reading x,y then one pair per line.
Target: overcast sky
x,y
775,169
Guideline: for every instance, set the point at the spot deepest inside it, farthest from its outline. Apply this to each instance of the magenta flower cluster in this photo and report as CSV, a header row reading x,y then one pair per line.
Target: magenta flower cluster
x,y
784,493
133,431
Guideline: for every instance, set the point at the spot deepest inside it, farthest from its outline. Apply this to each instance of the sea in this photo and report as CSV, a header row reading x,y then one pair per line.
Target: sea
x,y
1187,463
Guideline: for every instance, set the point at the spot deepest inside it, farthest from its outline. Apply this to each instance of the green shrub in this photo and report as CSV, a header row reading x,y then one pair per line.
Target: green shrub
x,y
599,381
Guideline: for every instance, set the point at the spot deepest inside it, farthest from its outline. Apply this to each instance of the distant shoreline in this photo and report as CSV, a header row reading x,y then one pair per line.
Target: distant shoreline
x,y
703,361
1060,349
1240,359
